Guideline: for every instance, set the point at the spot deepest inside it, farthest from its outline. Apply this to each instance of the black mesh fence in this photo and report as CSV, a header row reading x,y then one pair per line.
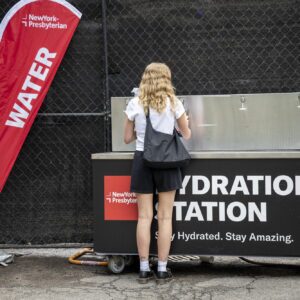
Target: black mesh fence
x,y
212,47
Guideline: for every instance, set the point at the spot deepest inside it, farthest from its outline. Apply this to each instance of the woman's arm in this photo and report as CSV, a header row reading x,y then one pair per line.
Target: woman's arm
x,y
129,133
183,124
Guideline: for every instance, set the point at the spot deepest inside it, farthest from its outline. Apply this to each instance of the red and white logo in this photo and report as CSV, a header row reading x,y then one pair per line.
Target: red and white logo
x,y
119,202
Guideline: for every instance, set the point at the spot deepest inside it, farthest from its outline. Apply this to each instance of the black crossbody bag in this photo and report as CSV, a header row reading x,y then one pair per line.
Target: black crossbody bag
x,y
162,150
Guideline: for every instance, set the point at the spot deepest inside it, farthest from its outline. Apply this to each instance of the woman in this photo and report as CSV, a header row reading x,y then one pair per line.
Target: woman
x,y
156,97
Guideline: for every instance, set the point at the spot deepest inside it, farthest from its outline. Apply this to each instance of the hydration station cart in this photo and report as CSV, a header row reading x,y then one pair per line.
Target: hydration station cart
x,y
241,191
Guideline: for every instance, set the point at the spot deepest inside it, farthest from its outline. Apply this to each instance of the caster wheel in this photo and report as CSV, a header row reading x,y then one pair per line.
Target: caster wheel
x,y
116,264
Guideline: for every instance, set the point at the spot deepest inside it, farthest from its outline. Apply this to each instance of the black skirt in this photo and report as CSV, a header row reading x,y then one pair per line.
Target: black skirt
x,y
145,180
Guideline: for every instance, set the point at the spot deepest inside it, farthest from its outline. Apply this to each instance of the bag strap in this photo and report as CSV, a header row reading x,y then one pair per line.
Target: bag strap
x,y
175,131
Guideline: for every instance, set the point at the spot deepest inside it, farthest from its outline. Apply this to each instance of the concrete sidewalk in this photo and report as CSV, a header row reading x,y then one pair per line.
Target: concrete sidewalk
x,y
46,274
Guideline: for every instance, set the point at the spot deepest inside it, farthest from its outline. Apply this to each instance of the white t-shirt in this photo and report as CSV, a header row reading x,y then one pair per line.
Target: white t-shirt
x,y
163,122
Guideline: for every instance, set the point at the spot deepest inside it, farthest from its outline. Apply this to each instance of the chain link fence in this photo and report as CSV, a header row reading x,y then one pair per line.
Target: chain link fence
x,y
212,47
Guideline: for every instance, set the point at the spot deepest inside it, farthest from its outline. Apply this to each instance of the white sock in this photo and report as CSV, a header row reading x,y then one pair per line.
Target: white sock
x,y
162,266
144,265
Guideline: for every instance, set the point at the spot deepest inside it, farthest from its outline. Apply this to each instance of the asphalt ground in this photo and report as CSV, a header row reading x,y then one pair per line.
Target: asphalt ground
x,y
47,274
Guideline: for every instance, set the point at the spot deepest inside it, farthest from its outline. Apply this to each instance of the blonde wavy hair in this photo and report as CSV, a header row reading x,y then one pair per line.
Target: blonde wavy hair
x,y
155,87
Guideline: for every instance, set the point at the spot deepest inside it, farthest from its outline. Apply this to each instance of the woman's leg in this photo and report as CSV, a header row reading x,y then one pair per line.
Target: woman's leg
x,y
164,216
145,216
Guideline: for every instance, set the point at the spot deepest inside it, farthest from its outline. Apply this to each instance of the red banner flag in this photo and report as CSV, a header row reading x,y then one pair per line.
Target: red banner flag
x,y
34,36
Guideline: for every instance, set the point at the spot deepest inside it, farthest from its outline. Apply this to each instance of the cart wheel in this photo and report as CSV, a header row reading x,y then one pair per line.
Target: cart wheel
x,y
116,264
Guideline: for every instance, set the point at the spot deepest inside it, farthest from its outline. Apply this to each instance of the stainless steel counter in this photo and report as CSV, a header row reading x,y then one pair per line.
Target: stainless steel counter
x,y
213,155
